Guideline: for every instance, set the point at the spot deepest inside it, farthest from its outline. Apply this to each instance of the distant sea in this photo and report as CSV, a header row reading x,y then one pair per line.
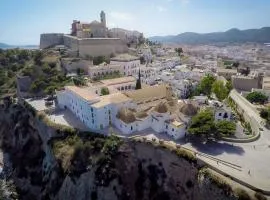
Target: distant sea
x,y
21,47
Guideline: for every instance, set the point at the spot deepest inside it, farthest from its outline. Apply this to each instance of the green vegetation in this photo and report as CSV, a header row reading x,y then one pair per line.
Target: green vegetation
x,y
77,154
228,62
257,97
58,127
179,51
12,62
225,128
79,81
217,180
188,155
220,90
265,114
104,91
229,85
205,85
138,83
260,196
100,59
115,74
80,71
203,125
40,66
241,194
209,85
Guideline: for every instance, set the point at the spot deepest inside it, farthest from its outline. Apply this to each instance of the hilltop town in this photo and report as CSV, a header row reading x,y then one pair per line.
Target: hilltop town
x,y
208,104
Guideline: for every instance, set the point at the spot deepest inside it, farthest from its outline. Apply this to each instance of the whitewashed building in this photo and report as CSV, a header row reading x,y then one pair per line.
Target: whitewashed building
x,y
130,112
127,62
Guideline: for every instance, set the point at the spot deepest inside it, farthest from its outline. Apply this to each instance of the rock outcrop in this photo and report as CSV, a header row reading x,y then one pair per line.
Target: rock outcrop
x,y
135,171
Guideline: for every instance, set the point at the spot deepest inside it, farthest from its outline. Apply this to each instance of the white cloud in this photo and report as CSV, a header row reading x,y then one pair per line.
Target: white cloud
x,y
121,16
161,9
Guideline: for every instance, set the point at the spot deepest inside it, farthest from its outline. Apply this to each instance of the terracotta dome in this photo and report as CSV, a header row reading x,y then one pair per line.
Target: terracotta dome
x,y
126,115
188,109
161,107
141,114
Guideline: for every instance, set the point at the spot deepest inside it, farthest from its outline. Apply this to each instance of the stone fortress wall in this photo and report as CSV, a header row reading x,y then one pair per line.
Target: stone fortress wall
x,y
86,46
51,39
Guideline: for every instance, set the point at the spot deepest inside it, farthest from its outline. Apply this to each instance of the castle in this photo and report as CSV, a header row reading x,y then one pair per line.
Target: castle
x,y
90,39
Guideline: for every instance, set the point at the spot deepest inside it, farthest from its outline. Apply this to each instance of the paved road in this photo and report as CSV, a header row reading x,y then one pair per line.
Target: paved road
x,y
253,157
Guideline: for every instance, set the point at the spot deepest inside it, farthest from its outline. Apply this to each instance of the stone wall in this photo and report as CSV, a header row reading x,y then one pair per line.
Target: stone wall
x,y
101,46
87,46
51,39
95,46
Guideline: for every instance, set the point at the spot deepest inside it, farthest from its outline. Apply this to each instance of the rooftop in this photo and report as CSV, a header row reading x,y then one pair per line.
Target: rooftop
x,y
111,98
226,70
177,123
157,92
116,81
124,57
82,92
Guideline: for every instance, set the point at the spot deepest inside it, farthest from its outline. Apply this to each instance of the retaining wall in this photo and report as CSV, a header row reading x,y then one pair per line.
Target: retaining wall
x,y
51,39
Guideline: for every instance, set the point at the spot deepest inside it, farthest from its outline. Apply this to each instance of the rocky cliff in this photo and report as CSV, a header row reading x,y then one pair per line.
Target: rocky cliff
x,y
93,167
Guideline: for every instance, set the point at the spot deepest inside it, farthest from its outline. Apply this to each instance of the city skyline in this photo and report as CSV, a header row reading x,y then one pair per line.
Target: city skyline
x,y
162,17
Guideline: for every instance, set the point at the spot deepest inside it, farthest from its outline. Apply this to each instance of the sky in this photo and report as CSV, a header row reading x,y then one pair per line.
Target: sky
x,y
22,21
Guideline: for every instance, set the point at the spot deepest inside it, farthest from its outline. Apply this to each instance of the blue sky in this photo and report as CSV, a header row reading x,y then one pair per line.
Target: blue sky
x,y
22,21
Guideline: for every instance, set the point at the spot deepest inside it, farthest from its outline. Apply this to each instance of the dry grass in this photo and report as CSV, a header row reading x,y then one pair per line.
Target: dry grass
x,y
64,153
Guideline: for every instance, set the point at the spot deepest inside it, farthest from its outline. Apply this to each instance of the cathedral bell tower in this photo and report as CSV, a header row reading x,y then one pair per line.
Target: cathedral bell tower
x,y
103,18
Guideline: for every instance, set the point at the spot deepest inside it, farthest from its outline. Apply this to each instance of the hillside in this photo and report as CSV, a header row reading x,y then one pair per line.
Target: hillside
x,y
231,36
89,166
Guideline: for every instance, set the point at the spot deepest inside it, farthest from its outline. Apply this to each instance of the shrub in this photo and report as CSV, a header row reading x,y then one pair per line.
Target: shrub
x,y
189,156
217,180
104,91
264,114
257,97
260,196
242,194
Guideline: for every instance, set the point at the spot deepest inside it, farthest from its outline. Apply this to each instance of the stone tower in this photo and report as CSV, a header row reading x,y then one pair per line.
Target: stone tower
x,y
103,18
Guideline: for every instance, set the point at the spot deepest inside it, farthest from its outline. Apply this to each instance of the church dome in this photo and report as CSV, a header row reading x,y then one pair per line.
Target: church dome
x,y
126,115
188,109
161,107
141,114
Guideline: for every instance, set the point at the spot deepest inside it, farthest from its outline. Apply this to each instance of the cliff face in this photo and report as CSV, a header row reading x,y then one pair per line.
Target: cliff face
x,y
27,157
134,171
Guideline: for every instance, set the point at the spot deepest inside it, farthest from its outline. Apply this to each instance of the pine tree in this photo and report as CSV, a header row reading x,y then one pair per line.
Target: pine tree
x,y
138,83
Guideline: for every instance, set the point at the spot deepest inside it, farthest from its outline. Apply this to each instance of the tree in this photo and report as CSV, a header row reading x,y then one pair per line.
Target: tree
x,y
100,59
202,124
38,57
225,128
142,60
257,97
236,64
179,50
220,90
138,83
264,114
104,91
205,85
229,85
79,71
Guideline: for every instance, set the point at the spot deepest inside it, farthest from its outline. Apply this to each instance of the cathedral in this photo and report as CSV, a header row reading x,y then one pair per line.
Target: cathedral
x,y
94,29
